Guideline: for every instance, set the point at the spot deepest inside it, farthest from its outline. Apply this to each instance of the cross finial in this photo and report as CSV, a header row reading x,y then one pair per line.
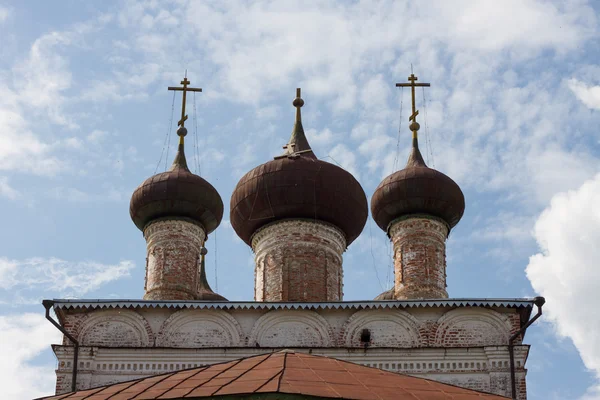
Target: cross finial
x,y
185,82
414,126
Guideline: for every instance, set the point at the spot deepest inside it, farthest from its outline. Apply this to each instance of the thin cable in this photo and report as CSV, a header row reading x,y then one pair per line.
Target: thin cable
x,y
216,277
198,145
427,134
399,130
373,257
334,160
168,144
196,152
168,133
390,267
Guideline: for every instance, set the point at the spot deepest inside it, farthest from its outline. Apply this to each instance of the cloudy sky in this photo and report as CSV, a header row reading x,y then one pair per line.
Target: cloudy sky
x,y
511,115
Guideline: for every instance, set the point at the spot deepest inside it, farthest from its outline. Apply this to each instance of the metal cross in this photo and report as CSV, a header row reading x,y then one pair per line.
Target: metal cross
x,y
412,78
184,89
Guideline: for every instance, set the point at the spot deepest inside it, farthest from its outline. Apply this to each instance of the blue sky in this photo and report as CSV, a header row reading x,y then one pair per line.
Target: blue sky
x,y
511,116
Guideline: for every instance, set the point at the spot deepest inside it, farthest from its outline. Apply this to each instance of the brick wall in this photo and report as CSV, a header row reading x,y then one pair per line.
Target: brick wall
x,y
172,263
419,258
298,260
466,346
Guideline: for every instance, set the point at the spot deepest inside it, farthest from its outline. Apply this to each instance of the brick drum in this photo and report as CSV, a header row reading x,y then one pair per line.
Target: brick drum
x,y
298,260
419,257
172,263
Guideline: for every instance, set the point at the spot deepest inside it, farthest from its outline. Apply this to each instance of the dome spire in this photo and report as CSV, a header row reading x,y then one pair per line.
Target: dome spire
x,y
415,158
298,144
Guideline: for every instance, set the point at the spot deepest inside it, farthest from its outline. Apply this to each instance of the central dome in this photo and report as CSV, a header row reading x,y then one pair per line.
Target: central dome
x,y
297,185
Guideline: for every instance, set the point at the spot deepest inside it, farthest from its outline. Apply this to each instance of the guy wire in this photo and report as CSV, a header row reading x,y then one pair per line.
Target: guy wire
x,y
168,133
373,256
427,134
196,151
216,276
169,139
399,131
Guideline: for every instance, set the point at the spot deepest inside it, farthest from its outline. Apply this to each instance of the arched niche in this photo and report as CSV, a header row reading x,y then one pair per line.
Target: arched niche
x,y
200,328
387,328
115,328
291,328
472,327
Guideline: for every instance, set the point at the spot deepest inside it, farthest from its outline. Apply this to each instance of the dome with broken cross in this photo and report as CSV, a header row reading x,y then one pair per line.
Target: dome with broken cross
x,y
297,185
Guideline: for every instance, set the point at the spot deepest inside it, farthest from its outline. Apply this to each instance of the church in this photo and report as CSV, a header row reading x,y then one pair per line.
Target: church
x,y
298,338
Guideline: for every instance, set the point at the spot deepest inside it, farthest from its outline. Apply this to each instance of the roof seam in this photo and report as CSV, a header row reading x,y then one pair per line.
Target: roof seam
x,y
280,374
125,388
350,372
220,372
245,372
86,397
171,388
282,371
154,384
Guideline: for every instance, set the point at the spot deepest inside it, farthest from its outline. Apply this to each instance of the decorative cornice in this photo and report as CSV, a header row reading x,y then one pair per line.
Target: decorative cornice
x,y
156,224
395,225
277,228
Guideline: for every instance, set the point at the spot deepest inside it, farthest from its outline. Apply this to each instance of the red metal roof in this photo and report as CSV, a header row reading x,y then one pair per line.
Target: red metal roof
x,y
284,372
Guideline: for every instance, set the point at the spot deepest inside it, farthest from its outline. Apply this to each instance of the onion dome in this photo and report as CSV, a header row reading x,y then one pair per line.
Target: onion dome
x,y
417,189
205,293
297,185
177,193
387,295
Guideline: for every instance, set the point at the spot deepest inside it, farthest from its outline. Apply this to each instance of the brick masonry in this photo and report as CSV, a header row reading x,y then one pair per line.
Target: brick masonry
x,y
172,261
465,346
419,258
298,260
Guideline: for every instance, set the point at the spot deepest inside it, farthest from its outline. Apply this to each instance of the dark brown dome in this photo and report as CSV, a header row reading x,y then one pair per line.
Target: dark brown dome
x,y
417,189
177,193
300,186
387,295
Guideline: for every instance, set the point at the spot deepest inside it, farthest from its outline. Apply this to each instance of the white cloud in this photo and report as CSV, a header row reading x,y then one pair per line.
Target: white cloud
x,y
8,191
566,270
97,136
22,338
43,77
323,137
74,195
21,149
592,393
35,97
4,14
489,25
40,78
338,42
589,95
342,156
55,277
506,227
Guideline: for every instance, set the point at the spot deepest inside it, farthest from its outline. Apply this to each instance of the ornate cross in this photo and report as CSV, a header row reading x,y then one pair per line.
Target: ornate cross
x,y
412,78
184,89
